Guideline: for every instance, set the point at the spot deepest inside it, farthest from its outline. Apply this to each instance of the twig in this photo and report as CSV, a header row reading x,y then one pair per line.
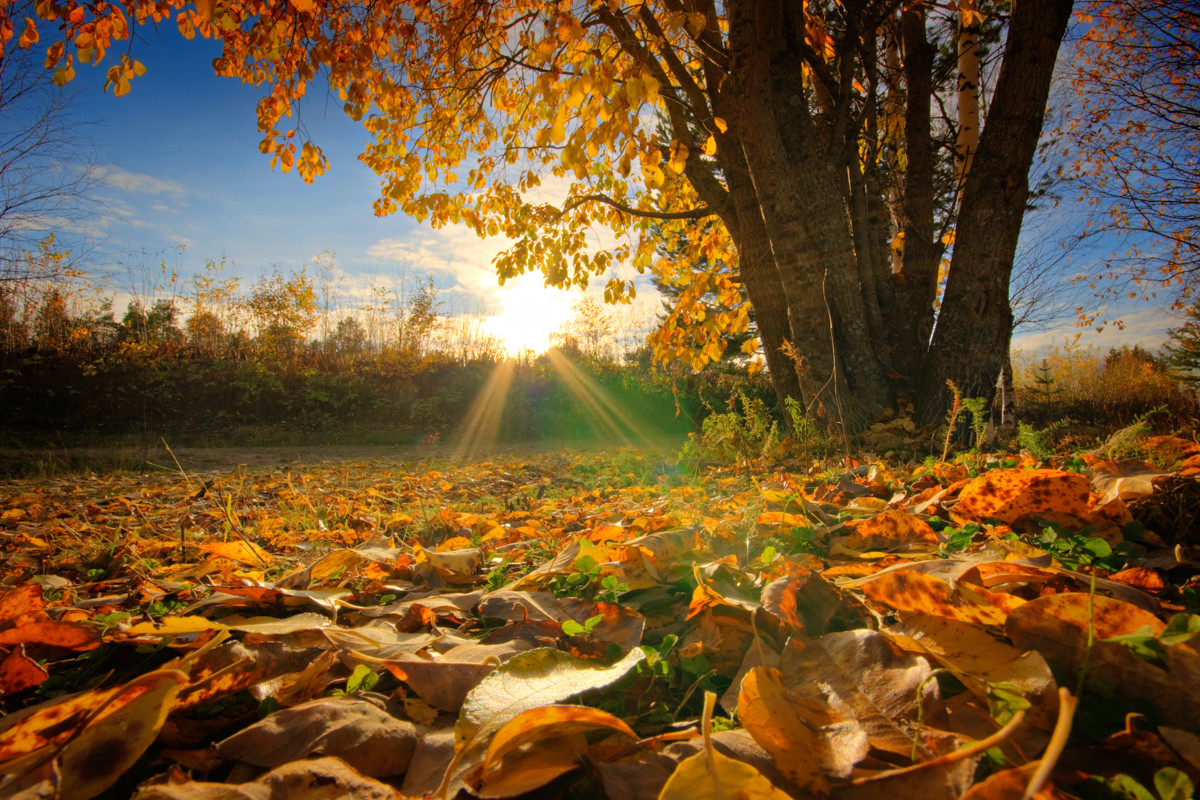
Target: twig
x,y
1062,730
974,748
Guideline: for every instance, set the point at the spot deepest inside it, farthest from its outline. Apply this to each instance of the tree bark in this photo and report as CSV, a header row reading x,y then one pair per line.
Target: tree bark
x,y
971,341
798,184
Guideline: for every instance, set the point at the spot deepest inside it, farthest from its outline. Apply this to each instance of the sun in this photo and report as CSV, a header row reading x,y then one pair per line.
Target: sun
x,y
530,314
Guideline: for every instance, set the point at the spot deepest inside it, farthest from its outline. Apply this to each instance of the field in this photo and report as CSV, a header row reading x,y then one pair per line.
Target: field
x,y
602,622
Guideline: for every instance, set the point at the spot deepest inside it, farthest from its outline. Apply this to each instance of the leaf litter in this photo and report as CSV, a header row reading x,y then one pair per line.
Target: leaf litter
x,y
603,625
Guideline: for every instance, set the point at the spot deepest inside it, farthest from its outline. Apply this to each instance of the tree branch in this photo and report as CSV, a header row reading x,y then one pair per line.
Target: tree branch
x,y
695,213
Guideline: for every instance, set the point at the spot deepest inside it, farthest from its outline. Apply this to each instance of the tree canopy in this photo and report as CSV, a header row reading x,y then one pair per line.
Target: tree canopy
x,y
1133,137
859,194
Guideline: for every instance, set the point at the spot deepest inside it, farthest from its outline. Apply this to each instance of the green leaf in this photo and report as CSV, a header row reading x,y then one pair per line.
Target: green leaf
x,y
1004,704
1097,547
1171,784
362,679
572,628
1180,628
1129,787
1143,644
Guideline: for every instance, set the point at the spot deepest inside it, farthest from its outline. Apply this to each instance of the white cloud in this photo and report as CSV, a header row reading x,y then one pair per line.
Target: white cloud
x,y
1146,326
126,181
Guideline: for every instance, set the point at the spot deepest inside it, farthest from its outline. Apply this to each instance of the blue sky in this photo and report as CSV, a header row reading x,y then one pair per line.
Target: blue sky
x,y
183,168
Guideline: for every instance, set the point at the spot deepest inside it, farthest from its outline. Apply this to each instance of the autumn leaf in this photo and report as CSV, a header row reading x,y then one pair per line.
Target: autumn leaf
x,y
367,738
808,740
711,775
119,733
530,680
1008,494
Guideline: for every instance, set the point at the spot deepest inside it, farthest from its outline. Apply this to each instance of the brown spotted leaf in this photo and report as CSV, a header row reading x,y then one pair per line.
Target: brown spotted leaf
x,y
116,738
893,530
1057,627
19,672
911,590
367,738
1007,494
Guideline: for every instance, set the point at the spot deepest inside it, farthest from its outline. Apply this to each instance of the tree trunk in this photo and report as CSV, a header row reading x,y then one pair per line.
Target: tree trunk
x,y
970,344
916,281
798,186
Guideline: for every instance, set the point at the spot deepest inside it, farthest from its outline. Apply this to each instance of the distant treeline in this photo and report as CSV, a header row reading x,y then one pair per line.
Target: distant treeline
x,y
249,370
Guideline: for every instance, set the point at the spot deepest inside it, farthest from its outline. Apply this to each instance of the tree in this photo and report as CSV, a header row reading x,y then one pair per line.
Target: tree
x,y
816,135
45,169
1134,134
283,309
590,332
1183,356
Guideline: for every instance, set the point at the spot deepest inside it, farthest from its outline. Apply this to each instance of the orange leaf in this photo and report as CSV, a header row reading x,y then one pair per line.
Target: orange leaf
x,y
21,600
241,552
78,636
19,672
1006,494
910,590
806,738
550,722
893,530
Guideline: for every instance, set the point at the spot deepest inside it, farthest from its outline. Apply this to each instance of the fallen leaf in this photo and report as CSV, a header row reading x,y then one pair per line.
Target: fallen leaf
x,y
117,735
241,552
1057,627
533,679
893,530
910,590
807,739
711,775
19,672
370,740
318,779
1006,494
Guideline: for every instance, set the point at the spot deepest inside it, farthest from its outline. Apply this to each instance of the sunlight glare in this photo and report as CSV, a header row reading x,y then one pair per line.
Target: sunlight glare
x,y
531,314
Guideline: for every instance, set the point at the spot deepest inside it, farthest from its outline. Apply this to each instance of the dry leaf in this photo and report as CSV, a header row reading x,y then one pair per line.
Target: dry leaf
x,y
807,740
533,679
1006,494
367,738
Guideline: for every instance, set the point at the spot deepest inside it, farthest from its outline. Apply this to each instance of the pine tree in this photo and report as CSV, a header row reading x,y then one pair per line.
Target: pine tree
x,y
1183,357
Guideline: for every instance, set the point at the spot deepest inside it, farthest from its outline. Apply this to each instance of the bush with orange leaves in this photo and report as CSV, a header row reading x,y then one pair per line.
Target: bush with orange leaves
x,y
1101,390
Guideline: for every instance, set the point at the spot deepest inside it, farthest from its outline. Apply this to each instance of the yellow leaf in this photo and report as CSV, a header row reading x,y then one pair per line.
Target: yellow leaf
x,y
63,75
548,722
633,91
710,146
205,9
242,552
696,22
304,6
720,124
805,738
118,736
174,626
679,154
709,775
30,37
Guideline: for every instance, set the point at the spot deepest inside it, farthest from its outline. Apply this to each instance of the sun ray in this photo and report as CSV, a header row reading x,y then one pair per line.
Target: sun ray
x,y
481,428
